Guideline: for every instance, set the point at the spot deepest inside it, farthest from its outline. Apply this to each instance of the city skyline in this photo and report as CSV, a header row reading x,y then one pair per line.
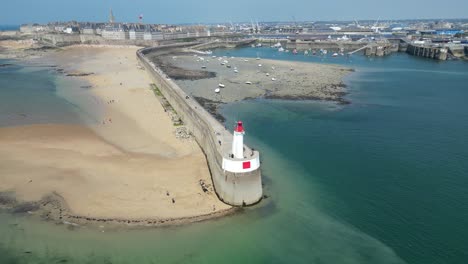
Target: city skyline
x,y
210,11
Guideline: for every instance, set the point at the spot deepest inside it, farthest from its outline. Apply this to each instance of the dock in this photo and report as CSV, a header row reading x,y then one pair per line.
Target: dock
x,y
428,51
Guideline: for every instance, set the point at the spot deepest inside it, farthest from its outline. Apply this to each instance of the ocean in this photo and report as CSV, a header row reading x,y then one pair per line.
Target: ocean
x,y
381,180
9,27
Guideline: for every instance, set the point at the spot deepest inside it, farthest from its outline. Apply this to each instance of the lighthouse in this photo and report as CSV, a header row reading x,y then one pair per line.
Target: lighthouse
x,y
238,141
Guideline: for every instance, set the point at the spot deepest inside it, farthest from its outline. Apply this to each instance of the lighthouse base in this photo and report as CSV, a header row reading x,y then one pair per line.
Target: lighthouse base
x,y
239,189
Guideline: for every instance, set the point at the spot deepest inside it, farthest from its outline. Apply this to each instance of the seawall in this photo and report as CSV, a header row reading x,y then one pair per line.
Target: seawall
x,y
438,53
237,181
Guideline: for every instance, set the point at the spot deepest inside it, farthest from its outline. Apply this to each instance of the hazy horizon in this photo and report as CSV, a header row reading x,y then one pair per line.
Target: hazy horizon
x,y
212,11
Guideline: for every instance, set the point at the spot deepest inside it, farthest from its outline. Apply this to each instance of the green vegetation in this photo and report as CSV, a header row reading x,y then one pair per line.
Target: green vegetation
x,y
156,90
176,121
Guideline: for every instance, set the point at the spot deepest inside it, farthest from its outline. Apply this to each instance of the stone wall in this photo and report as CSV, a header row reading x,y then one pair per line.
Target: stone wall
x,y
236,189
61,40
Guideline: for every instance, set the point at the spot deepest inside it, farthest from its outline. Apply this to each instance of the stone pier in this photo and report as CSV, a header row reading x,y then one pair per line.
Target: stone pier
x,y
237,181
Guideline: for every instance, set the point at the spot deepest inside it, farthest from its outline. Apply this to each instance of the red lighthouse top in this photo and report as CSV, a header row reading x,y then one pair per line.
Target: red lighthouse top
x,y
239,127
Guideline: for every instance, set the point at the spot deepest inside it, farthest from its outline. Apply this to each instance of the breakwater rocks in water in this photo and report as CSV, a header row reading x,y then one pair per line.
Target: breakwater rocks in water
x,y
212,107
178,73
78,74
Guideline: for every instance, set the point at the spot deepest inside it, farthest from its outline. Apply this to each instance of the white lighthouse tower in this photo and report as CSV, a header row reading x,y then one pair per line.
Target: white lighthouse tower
x,y
238,141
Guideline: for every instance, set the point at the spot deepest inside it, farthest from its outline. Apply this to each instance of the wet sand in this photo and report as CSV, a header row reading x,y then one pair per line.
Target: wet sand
x,y
267,78
124,165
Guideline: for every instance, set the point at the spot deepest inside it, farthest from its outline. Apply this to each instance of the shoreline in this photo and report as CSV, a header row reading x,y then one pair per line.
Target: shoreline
x,y
53,208
129,107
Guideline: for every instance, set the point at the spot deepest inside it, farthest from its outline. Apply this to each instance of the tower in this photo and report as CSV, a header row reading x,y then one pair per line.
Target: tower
x,y
238,141
111,16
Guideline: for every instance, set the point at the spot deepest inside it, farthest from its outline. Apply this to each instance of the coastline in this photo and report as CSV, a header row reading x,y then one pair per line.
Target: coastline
x,y
129,135
82,62
53,208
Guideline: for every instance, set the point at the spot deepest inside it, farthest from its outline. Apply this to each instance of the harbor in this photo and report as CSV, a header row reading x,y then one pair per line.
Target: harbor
x,y
234,132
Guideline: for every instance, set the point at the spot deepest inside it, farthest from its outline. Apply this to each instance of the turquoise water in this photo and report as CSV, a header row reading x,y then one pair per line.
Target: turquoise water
x,y
382,180
28,96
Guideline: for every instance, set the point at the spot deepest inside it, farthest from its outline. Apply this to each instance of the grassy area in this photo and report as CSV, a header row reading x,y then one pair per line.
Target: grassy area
x,y
155,89
176,121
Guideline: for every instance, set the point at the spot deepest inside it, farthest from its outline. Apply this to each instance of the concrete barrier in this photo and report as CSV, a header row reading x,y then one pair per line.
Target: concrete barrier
x,y
234,188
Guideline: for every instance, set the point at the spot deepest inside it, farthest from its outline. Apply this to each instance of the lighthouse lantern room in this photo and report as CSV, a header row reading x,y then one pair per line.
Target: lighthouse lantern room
x,y
238,141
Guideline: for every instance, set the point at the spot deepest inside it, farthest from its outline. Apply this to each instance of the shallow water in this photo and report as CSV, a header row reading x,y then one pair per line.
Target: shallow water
x,y
382,180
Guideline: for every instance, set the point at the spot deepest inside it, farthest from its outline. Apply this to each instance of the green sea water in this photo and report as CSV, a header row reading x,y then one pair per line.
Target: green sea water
x,y
382,180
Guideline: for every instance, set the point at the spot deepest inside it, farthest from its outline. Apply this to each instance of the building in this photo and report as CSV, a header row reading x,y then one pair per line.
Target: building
x,y
32,28
115,32
153,35
71,30
137,32
88,31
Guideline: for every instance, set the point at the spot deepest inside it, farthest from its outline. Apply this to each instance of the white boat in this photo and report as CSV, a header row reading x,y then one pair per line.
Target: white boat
x,y
281,49
273,79
221,85
258,58
335,54
272,67
213,56
324,51
306,52
236,71
248,82
259,45
267,74
277,45
259,65
217,90
246,60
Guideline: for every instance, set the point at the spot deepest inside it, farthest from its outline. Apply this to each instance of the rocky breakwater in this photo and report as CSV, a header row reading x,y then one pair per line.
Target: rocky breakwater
x,y
234,185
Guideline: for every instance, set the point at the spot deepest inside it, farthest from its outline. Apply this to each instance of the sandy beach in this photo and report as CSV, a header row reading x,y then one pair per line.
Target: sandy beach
x,y
123,165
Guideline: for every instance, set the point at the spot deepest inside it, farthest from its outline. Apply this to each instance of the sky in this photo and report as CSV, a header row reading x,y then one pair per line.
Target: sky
x,y
15,12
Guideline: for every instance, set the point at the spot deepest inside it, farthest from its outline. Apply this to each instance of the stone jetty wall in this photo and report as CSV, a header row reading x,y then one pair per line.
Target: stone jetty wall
x,y
236,189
